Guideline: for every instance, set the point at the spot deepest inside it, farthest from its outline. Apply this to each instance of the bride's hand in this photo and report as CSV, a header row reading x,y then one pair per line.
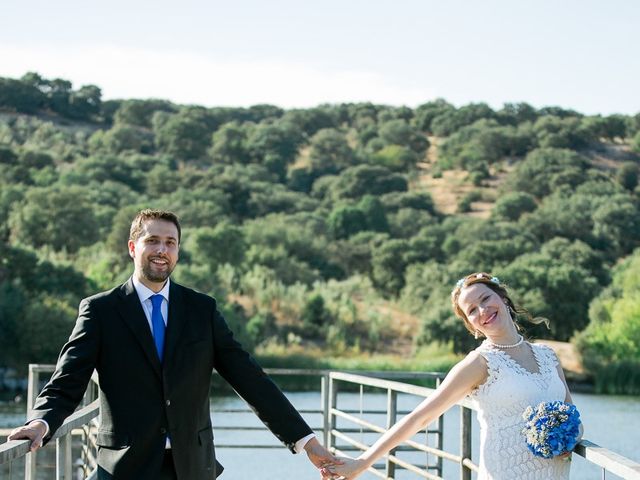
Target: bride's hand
x,y
350,469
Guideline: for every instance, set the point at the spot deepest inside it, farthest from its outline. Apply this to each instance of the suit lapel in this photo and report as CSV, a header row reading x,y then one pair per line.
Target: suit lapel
x,y
131,311
176,321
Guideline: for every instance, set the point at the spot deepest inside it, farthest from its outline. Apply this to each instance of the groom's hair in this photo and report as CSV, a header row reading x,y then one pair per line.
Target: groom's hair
x,y
151,214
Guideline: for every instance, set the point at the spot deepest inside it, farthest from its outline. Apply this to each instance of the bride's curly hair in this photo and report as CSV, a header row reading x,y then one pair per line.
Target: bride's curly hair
x,y
498,287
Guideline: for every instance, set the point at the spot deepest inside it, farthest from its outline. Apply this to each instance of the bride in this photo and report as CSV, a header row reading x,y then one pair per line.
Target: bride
x,y
503,376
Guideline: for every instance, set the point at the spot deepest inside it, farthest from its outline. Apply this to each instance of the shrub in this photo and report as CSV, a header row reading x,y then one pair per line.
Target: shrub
x,y
610,345
315,316
512,205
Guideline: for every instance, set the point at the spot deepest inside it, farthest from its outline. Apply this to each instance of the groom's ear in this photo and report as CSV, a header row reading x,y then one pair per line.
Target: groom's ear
x,y
132,248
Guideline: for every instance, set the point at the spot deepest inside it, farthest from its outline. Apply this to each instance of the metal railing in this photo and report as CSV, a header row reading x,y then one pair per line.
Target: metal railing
x,y
323,377
13,450
83,422
393,388
606,460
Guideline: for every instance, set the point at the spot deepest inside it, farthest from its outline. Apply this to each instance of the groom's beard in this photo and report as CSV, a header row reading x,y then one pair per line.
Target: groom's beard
x,y
154,275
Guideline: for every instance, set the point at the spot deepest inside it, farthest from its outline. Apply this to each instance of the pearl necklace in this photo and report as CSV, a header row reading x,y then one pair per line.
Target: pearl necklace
x,y
513,345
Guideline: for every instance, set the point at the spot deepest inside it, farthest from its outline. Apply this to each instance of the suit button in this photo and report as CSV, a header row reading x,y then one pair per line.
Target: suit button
x,y
167,403
163,431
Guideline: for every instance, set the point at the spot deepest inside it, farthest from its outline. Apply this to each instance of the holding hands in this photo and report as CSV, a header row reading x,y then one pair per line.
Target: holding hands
x,y
348,469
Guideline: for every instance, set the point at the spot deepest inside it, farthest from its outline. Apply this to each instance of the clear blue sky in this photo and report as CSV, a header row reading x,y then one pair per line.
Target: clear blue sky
x,y
576,54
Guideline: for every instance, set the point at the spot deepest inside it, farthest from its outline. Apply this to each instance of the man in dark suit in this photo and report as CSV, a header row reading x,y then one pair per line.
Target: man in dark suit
x,y
154,344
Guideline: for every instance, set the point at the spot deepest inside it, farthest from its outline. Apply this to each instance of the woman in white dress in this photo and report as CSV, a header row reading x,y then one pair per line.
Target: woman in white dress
x,y
503,376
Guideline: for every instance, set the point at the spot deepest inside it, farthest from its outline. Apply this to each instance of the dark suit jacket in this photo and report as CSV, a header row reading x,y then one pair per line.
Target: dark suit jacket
x,y
141,401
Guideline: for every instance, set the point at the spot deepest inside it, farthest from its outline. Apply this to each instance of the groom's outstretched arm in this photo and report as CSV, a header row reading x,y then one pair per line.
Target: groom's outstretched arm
x,y
67,385
250,381
77,360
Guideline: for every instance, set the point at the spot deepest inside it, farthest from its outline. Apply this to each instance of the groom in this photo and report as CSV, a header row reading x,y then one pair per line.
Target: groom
x,y
154,344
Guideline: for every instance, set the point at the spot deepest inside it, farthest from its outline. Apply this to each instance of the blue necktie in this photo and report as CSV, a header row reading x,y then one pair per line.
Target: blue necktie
x,y
158,324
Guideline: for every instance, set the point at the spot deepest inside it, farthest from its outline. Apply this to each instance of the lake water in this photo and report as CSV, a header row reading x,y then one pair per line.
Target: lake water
x,y
610,421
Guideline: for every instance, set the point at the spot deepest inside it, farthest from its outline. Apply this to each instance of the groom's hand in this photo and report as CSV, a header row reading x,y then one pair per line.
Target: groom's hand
x,y
320,456
34,432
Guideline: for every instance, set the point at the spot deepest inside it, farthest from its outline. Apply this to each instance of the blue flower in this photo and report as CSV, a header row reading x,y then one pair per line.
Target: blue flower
x,y
551,428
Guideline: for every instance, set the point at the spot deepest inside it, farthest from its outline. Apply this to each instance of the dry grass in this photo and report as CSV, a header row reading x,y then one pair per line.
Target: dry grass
x,y
569,357
452,185
302,160
400,338
609,157
448,189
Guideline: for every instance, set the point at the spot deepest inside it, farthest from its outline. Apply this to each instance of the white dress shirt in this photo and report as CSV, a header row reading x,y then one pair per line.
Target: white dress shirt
x,y
145,294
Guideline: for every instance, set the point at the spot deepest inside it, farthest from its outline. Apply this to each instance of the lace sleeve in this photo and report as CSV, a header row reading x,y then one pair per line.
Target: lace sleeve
x,y
547,357
492,372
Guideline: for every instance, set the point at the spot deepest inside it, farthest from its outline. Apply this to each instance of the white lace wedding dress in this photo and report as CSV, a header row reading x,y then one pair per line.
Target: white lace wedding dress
x,y
501,400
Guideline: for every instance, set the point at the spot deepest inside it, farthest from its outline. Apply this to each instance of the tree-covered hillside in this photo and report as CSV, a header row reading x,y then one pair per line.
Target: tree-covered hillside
x,y
318,227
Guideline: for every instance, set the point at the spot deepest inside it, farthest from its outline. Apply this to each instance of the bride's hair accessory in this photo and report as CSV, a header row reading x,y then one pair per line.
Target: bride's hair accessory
x,y
479,276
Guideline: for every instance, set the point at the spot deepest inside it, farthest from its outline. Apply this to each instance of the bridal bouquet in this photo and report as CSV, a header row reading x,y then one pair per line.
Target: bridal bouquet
x,y
552,428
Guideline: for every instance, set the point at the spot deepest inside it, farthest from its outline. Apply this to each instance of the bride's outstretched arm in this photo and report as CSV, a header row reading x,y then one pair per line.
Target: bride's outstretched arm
x,y
462,379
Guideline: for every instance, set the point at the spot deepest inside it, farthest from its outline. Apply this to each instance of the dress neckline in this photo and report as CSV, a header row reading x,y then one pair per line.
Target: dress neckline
x,y
513,362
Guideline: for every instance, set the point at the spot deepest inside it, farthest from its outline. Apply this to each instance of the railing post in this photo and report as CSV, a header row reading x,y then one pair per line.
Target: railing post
x,y
63,457
32,393
465,441
324,394
439,444
333,399
392,414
